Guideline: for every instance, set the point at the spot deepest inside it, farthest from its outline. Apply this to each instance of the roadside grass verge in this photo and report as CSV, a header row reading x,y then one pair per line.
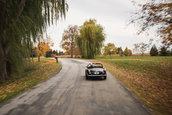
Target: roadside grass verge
x,y
34,74
150,78
154,58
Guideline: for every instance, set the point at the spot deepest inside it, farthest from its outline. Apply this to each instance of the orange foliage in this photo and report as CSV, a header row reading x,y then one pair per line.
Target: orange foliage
x,y
53,55
43,47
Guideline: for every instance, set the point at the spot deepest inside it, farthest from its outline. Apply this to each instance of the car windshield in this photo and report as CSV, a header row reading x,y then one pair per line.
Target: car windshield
x,y
95,65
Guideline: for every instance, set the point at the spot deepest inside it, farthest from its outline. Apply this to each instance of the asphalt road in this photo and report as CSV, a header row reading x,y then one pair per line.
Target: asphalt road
x,y
69,93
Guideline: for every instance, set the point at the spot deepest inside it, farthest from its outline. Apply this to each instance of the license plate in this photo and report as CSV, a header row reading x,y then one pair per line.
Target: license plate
x,y
96,73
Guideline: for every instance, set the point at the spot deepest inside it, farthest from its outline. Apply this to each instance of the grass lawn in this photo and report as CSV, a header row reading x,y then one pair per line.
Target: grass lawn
x,y
149,77
34,75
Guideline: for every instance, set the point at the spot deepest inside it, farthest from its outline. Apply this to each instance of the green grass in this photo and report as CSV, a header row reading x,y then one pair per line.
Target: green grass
x,y
36,73
161,68
149,77
154,58
47,58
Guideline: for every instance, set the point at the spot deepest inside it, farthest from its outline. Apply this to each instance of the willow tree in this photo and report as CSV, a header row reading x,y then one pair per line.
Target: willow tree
x,y
21,21
90,40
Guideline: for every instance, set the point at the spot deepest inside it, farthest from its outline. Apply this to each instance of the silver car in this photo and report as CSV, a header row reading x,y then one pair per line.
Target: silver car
x,y
95,70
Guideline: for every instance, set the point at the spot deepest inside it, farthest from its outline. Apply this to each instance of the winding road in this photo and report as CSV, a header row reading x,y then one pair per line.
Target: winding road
x,y
69,93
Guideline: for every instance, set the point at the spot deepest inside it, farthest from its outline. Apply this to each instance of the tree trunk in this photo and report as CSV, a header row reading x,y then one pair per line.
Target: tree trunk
x,y
71,50
32,55
3,64
38,58
32,58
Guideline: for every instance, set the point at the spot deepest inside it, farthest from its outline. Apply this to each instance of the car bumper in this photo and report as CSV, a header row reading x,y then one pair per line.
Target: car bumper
x,y
96,76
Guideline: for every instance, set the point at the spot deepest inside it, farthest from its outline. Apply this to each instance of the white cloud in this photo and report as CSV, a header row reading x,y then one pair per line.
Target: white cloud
x,y
113,15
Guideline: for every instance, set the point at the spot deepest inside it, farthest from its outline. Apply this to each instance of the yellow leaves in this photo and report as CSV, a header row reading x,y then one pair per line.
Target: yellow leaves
x,y
4,91
52,44
42,48
2,96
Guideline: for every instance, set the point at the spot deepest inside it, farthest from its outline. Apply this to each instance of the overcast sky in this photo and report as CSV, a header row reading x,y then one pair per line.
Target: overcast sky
x,y
113,15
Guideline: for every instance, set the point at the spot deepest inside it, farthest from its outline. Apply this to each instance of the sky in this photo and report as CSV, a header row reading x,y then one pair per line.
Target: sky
x,y
113,15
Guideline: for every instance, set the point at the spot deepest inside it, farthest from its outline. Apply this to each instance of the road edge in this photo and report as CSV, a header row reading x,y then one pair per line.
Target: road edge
x,y
135,97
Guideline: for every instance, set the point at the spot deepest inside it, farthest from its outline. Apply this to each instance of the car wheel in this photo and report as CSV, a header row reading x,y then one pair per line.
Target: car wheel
x,y
104,77
87,77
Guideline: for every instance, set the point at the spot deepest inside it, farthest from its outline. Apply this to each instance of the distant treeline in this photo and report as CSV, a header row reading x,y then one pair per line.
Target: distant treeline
x,y
110,49
53,53
162,52
50,53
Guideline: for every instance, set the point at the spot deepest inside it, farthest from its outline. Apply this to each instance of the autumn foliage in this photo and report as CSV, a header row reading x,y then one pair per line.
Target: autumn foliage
x,y
43,47
68,39
53,55
155,15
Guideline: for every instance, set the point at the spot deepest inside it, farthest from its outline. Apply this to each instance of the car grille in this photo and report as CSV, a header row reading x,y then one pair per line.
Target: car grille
x,y
96,72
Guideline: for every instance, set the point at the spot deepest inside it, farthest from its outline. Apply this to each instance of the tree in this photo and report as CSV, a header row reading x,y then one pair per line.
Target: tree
x,y
90,39
129,52
126,51
143,48
76,51
136,47
164,52
68,39
43,47
140,47
33,52
154,51
55,52
61,53
120,51
109,49
48,53
51,53
155,14
21,21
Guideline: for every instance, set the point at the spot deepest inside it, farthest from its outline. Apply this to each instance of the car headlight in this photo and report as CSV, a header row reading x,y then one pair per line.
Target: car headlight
x,y
104,72
89,72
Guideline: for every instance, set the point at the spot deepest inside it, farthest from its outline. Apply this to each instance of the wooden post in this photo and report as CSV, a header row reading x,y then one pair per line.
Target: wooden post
x,y
56,59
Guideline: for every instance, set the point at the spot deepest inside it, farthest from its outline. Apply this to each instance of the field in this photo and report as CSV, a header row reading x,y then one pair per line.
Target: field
x,y
150,78
36,73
